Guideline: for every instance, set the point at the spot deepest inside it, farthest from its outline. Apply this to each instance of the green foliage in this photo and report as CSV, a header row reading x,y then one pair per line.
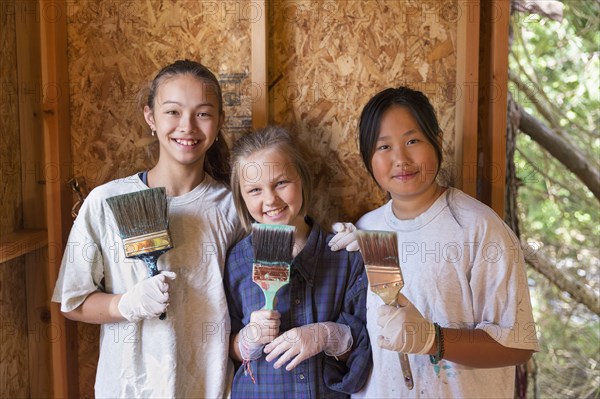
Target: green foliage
x,y
558,66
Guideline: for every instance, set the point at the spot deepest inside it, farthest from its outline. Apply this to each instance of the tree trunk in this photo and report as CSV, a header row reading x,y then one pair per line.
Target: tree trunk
x,y
512,182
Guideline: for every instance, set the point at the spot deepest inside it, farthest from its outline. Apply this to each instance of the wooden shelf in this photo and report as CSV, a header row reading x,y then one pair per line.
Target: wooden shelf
x,y
22,242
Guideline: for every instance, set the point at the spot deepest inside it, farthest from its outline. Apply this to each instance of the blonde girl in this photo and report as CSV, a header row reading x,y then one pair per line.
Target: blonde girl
x,y
315,343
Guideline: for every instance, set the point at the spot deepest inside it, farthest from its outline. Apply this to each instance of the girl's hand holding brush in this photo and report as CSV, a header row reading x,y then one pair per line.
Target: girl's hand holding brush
x,y
262,329
147,299
404,329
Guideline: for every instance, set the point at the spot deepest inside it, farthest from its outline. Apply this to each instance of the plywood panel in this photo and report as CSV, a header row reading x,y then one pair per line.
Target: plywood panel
x,y
10,154
14,374
116,48
328,58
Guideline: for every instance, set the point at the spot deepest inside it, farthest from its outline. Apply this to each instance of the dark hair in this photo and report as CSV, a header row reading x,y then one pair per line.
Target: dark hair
x,y
271,137
216,159
415,102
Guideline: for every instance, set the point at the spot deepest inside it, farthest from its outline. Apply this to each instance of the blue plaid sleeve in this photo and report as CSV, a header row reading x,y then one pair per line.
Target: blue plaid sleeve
x,y
237,268
350,376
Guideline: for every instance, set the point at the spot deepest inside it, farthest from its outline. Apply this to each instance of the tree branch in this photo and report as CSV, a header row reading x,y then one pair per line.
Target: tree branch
x,y
578,291
546,109
572,193
560,149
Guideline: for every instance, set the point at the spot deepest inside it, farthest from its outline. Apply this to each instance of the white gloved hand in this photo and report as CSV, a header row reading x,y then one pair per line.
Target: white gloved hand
x,y
262,329
404,329
147,299
344,237
301,343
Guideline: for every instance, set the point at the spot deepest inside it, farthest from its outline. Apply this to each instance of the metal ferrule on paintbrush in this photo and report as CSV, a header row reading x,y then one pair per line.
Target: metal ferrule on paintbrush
x,y
385,282
152,242
273,254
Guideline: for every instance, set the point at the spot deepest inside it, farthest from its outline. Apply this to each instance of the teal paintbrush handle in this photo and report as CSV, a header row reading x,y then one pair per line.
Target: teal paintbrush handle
x,y
150,261
269,299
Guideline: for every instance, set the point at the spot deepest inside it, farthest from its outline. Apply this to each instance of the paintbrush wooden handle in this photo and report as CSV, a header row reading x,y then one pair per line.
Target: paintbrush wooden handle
x,y
406,371
404,363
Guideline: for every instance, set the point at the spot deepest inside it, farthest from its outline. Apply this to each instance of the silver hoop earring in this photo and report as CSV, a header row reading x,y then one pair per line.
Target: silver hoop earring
x,y
217,139
153,132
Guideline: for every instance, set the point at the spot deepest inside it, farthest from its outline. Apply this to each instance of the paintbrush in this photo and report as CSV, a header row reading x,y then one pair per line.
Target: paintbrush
x,y
142,220
380,254
273,246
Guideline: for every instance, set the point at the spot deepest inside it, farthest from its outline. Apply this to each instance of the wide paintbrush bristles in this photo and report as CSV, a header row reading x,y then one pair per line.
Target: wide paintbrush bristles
x,y
273,243
140,212
142,220
380,253
378,247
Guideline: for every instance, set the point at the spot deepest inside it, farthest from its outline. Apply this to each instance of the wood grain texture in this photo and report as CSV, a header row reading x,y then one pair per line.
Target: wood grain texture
x,y
14,374
14,370
116,48
328,58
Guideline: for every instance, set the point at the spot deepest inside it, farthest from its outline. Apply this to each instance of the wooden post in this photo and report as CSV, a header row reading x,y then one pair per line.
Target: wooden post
x,y
259,47
467,82
493,77
33,191
55,108
498,121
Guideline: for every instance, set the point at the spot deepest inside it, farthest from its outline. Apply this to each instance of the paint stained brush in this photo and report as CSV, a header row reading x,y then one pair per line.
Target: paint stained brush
x,y
273,247
142,220
379,250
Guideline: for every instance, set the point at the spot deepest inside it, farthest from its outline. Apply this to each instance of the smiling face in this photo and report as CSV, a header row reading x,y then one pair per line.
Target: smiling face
x,y
404,163
186,117
271,188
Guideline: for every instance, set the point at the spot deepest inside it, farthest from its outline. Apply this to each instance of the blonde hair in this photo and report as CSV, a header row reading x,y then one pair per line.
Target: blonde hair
x,y
271,137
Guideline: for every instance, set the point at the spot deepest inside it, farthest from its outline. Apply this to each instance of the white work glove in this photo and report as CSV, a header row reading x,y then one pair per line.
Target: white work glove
x,y
301,343
147,299
404,329
262,329
344,237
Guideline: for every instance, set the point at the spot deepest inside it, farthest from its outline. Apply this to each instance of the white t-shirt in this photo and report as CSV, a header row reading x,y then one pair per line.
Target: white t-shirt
x,y
463,268
185,355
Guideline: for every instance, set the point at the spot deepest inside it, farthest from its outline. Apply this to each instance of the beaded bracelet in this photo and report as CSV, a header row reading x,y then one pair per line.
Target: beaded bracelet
x,y
439,338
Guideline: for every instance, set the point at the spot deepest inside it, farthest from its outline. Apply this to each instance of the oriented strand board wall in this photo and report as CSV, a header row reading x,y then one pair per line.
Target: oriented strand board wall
x,y
328,58
115,48
14,376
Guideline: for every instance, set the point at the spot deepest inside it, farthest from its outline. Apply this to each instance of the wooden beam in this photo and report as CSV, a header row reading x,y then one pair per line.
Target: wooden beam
x,y
30,114
498,121
55,108
21,243
33,241
467,81
493,77
259,47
